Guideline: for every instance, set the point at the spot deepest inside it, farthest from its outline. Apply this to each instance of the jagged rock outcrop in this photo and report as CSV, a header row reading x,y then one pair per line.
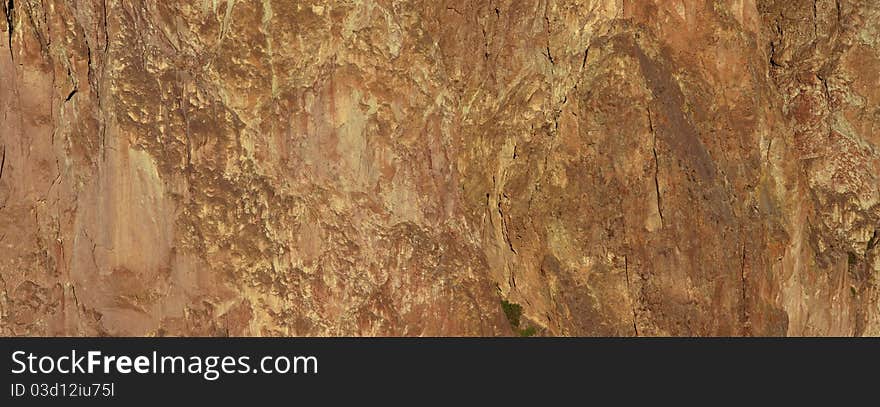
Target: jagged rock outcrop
x,y
601,167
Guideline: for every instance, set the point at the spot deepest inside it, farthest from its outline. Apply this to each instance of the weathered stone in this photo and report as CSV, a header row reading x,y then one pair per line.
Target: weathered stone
x,y
324,167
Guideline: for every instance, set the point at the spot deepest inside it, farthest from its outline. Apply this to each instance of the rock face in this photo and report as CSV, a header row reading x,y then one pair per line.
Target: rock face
x,y
380,167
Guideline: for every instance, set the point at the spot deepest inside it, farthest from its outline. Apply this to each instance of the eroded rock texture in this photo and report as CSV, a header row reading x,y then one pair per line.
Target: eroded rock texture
x,y
378,167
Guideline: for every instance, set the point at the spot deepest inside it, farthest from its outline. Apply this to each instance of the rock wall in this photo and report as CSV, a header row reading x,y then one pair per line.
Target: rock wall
x,y
449,167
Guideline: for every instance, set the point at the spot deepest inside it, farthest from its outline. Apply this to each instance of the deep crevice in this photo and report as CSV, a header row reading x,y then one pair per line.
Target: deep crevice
x,y
872,243
549,35
75,86
3,163
89,74
10,20
743,285
825,89
815,20
586,54
550,56
837,6
629,292
656,168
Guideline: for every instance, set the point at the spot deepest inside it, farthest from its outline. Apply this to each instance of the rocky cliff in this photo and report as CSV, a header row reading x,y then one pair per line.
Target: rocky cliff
x,y
448,167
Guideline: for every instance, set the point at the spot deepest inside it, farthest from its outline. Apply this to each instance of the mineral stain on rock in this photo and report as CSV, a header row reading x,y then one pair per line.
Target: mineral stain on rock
x,y
506,167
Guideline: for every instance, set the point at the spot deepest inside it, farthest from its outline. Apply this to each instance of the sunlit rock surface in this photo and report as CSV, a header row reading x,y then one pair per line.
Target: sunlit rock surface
x,y
289,168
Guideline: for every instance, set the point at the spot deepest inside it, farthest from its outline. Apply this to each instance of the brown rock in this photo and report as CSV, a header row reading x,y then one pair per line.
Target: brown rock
x,y
283,168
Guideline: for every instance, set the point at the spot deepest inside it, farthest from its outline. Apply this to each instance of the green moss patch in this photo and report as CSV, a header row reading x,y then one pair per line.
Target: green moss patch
x,y
513,312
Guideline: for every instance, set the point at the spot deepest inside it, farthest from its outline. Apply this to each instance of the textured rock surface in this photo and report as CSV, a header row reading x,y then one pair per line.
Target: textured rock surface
x,y
272,167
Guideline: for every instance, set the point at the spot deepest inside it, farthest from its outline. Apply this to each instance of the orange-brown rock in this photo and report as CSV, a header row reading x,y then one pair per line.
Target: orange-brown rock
x,y
380,167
